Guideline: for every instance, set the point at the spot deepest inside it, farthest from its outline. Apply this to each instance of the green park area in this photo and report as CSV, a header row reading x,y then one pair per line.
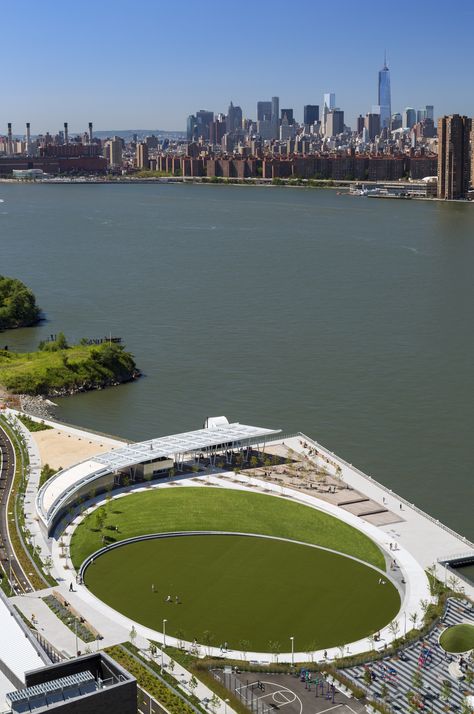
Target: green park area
x,y
253,593
458,638
195,508
58,368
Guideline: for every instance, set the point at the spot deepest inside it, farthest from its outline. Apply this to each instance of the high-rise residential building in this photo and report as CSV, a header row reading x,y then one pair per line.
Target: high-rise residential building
x,y
329,104
310,114
114,153
334,122
384,96
429,112
264,111
453,156
142,155
275,117
409,118
289,115
373,125
234,118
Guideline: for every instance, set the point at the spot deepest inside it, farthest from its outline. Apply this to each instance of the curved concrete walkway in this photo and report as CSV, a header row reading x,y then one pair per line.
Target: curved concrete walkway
x,y
416,582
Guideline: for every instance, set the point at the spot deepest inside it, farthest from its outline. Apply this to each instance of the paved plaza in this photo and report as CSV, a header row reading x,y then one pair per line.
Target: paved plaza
x,y
430,660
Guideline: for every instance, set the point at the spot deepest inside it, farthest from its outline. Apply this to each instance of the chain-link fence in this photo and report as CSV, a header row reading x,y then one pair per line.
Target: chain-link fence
x,y
249,693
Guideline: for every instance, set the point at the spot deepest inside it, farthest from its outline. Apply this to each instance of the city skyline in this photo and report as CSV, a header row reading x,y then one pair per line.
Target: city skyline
x,y
121,82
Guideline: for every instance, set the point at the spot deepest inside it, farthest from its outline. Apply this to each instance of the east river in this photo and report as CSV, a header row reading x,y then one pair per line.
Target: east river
x,y
350,319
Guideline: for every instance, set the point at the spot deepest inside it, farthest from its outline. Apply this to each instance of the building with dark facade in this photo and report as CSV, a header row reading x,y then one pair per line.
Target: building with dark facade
x,y
289,115
372,124
454,166
310,113
92,684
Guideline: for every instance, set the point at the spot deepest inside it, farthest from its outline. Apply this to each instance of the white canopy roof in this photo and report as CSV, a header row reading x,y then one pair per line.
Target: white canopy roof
x,y
60,487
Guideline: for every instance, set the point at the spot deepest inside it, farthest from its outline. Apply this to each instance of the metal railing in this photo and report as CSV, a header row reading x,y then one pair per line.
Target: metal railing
x,y
389,491
248,693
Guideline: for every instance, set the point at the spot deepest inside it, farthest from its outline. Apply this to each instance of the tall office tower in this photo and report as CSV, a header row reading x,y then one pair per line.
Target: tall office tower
x,y
28,137
310,113
289,115
10,140
373,125
409,118
234,119
264,111
66,133
429,112
90,132
384,96
360,124
472,153
453,156
334,122
420,115
141,155
191,128
204,120
275,117
396,122
328,105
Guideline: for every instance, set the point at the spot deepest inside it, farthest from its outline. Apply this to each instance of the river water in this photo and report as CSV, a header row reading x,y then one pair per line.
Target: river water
x,y
350,319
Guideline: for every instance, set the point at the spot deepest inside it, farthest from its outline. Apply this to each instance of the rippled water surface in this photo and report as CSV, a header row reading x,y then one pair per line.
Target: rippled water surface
x,y
350,319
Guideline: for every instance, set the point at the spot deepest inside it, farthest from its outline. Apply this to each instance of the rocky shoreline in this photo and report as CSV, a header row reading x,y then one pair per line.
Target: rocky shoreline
x,y
41,406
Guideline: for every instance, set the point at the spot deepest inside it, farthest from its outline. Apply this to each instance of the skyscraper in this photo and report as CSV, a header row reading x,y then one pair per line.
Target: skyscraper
x,y
334,122
276,117
328,105
264,111
409,118
310,113
234,118
453,156
384,96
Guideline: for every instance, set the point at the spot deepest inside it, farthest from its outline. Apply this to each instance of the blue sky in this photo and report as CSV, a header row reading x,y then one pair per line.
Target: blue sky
x,y
150,63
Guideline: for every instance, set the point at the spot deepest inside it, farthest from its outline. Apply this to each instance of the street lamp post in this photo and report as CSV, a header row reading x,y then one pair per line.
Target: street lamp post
x,y
292,651
226,701
163,645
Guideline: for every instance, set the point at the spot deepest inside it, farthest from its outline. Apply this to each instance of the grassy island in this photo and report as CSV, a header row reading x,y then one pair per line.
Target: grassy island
x,y
18,306
57,369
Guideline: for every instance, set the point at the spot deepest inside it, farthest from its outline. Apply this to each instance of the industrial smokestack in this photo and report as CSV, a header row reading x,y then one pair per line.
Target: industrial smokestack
x,y
10,139
66,133
28,137
90,132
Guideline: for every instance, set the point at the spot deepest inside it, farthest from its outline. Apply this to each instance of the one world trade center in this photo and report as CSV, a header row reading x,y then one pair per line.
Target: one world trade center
x,y
385,100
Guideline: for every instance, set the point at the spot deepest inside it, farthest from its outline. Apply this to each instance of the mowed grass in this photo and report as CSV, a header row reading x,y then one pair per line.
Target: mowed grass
x,y
235,589
458,638
193,508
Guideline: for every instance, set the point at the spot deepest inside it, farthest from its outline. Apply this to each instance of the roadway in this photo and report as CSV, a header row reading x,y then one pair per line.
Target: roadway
x,y
8,559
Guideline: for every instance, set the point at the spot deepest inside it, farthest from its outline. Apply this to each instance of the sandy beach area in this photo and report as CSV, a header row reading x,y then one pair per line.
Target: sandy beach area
x,y
61,449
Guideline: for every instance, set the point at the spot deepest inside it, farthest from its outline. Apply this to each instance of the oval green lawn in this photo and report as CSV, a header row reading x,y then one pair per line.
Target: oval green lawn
x,y
243,588
458,638
193,508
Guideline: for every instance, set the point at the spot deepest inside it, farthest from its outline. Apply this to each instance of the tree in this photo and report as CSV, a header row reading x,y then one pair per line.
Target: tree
x,y
367,676
446,690
417,679
214,702
244,646
275,648
180,638
413,619
171,664
394,627
207,638
193,683
132,635
384,691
